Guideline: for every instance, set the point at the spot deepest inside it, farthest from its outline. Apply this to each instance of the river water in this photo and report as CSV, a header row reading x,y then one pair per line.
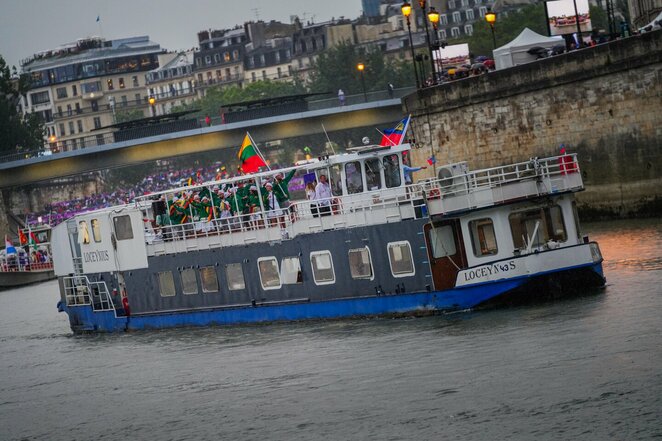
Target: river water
x,y
588,367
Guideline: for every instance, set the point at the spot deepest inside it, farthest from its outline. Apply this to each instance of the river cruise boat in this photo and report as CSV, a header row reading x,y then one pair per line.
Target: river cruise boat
x,y
29,263
374,245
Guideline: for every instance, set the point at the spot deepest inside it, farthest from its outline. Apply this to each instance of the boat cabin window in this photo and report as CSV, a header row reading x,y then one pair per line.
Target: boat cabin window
x,y
443,241
290,271
401,259
166,284
322,264
373,177
235,275
335,179
269,274
123,230
360,264
353,178
537,226
96,230
189,281
83,233
209,279
392,171
483,238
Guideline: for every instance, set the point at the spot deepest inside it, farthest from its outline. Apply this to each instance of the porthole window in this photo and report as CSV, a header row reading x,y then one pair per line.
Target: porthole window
x,y
166,284
189,281
209,279
322,265
290,271
401,259
269,274
360,263
235,276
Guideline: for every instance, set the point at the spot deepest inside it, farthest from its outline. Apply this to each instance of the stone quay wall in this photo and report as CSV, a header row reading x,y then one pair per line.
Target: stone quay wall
x,y
604,103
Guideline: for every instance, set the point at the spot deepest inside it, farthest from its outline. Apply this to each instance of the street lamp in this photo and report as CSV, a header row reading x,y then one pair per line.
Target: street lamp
x,y
406,11
421,3
490,18
361,68
151,100
433,16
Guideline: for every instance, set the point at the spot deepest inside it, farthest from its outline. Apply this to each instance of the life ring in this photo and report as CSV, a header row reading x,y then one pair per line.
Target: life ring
x,y
434,193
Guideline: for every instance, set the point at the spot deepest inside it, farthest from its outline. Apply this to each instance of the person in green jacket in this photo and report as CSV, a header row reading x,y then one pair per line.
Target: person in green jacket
x,y
282,192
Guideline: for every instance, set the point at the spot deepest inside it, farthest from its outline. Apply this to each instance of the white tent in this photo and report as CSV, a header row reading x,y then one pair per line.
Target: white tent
x,y
515,52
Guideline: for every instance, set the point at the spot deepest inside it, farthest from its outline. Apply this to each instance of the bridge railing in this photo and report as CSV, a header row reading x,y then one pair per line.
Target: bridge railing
x,y
246,115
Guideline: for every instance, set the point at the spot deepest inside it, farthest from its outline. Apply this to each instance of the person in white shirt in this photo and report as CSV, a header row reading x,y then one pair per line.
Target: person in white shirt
x,y
323,196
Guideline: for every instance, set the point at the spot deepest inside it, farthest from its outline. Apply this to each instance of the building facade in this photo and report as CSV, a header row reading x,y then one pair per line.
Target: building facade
x,y
172,84
79,88
220,58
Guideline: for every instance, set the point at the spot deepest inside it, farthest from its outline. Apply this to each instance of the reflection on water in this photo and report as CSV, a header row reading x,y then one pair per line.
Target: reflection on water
x,y
581,368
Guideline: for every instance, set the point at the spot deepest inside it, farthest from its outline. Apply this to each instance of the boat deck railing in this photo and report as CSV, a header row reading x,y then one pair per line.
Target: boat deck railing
x,y
302,217
499,185
80,291
10,266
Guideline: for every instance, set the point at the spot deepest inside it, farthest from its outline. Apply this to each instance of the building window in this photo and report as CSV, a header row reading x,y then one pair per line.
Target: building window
x,y
483,238
137,97
451,4
235,55
62,132
198,62
189,281
94,105
269,275
253,76
457,17
207,59
217,58
322,265
401,259
264,74
455,32
97,122
534,228
209,279
235,276
78,109
96,230
360,263
482,11
470,14
442,33
39,98
71,128
61,92
290,271
91,87
166,284
69,113
124,101
443,19
135,82
226,56
464,3
74,90
109,82
468,29
123,230
80,126
121,81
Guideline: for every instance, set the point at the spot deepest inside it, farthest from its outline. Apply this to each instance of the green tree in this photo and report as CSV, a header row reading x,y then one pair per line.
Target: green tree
x,y
507,27
128,115
18,133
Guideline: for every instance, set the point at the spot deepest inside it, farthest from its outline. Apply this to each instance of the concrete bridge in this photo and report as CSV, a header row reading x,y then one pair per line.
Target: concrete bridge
x,y
376,113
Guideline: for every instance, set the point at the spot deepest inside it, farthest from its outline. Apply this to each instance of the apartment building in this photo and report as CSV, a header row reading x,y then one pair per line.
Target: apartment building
x,y
172,83
220,59
80,87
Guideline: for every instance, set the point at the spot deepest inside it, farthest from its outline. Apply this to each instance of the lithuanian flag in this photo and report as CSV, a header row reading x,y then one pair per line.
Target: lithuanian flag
x,y
251,161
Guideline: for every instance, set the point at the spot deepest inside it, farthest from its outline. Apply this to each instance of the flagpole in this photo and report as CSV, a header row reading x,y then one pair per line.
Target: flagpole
x,y
257,149
404,130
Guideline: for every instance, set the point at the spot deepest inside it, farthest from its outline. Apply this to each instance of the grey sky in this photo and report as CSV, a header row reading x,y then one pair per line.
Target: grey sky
x,y
30,26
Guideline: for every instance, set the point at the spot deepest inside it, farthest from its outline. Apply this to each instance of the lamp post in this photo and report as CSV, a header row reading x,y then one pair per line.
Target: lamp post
x,y
151,102
361,68
421,3
406,11
490,18
433,16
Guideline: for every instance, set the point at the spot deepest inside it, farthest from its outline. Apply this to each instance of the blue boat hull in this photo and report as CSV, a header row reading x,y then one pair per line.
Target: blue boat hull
x,y
84,319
